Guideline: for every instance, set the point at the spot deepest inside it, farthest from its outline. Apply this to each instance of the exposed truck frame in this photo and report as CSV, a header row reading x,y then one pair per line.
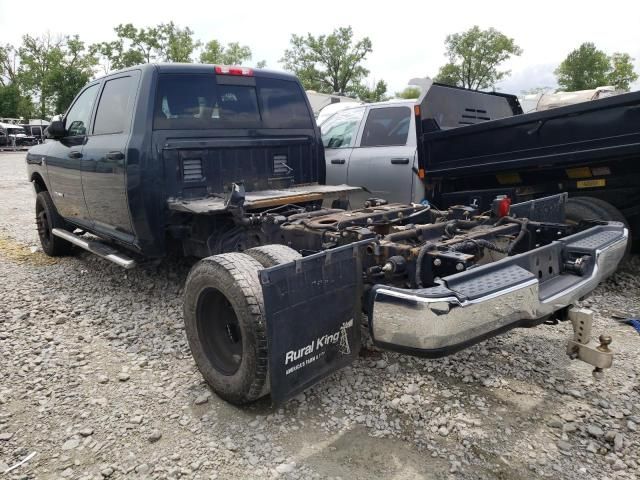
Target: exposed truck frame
x,y
277,300
430,282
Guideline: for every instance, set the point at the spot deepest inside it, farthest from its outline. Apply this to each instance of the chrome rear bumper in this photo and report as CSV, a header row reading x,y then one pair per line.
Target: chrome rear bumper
x,y
516,291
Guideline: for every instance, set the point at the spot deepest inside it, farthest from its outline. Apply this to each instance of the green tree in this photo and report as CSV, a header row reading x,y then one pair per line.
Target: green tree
x,y
409,92
8,64
622,74
10,100
114,56
13,102
328,63
165,42
233,54
53,70
475,56
144,41
176,44
584,68
377,93
39,58
75,71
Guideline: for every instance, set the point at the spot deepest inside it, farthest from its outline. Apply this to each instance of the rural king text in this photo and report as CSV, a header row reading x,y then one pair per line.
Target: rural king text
x,y
318,343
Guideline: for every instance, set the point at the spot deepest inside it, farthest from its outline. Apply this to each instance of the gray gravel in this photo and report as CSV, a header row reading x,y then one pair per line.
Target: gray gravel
x,y
97,380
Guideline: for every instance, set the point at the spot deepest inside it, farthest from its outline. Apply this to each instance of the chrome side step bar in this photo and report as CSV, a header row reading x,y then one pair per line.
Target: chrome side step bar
x,y
96,248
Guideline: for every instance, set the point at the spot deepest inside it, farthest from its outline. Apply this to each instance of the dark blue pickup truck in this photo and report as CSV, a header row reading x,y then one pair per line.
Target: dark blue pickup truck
x,y
226,164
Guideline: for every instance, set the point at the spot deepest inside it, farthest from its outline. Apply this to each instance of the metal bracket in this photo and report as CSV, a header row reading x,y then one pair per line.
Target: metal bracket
x,y
600,356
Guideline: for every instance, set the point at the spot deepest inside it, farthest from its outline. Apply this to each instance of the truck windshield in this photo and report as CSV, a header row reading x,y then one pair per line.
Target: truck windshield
x,y
198,102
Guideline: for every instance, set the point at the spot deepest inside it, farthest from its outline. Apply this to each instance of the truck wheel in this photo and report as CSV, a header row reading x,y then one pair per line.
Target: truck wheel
x,y
271,255
226,330
591,208
48,218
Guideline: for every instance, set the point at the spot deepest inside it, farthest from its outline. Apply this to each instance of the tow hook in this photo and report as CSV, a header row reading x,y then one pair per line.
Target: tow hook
x,y
579,347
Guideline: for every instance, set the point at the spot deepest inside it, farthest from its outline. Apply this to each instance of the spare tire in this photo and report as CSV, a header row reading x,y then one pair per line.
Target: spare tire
x,y
225,326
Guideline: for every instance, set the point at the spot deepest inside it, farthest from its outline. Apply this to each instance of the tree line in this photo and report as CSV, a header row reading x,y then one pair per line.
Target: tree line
x,y
41,76
474,59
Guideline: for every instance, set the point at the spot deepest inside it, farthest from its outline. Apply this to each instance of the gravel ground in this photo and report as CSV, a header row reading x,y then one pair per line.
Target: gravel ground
x,y
97,380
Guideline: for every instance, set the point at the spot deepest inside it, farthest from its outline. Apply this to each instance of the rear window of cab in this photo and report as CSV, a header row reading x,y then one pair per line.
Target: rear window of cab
x,y
206,101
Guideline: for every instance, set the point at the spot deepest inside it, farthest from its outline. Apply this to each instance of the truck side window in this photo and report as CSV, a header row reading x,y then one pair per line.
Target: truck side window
x,y
386,126
77,119
340,130
116,106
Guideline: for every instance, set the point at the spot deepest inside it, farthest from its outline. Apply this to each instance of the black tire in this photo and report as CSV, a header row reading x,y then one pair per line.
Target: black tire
x,y
591,208
271,255
48,218
225,326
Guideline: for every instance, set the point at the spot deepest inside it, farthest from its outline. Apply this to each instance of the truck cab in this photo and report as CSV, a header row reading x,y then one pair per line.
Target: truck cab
x,y
135,139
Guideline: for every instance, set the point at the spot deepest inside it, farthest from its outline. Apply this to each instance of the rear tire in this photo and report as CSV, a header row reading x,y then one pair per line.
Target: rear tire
x,y
225,326
591,208
48,218
271,255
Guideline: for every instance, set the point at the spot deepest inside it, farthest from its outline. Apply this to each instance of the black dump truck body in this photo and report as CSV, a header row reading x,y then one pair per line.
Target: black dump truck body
x,y
225,164
588,149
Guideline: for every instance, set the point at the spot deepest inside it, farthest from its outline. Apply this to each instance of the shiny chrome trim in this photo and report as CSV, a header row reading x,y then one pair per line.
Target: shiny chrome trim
x,y
410,321
110,254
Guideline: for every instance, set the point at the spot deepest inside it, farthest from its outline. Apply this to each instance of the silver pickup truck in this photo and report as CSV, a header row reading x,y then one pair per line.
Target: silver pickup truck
x,y
374,146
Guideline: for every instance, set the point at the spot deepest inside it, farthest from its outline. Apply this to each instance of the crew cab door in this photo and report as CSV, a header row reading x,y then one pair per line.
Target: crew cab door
x,y
384,157
64,158
339,134
104,157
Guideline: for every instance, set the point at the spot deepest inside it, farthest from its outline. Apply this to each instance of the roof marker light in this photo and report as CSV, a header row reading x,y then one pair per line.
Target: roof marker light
x,y
234,70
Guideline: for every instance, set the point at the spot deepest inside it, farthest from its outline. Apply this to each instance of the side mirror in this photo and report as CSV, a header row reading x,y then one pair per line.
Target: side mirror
x,y
56,129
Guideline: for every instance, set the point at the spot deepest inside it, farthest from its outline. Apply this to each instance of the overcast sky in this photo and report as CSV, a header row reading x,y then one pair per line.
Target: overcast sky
x,y
408,37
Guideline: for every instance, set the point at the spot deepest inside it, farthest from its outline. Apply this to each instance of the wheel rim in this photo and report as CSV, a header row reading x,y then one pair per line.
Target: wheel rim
x,y
219,331
44,228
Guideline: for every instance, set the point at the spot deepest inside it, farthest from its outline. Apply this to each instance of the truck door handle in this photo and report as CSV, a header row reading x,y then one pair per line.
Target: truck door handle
x,y
75,154
400,161
115,156
338,161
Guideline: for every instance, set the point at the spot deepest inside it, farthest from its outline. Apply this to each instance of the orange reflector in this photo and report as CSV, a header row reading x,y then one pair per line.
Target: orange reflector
x,y
599,182
579,172
416,110
421,173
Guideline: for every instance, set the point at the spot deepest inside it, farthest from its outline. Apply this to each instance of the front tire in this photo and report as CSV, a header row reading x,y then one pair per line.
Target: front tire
x,y
225,326
48,218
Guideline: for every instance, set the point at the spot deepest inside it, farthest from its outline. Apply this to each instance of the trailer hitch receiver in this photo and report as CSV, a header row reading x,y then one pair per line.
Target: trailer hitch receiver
x,y
580,347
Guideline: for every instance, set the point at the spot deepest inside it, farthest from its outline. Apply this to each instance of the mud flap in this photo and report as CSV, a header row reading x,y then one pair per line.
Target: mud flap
x,y
313,314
